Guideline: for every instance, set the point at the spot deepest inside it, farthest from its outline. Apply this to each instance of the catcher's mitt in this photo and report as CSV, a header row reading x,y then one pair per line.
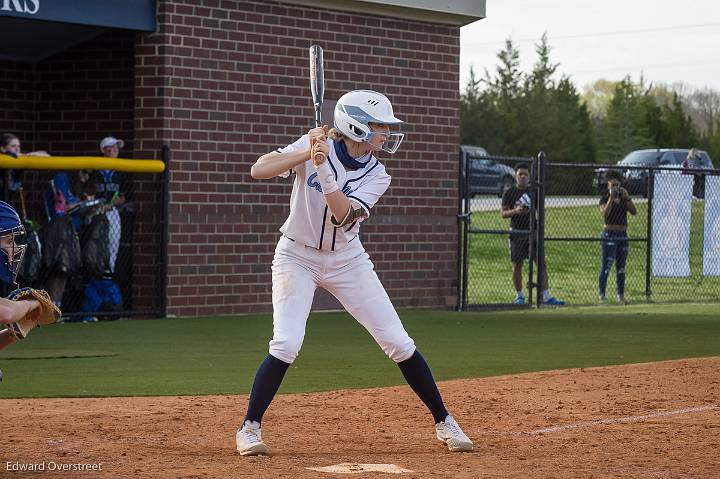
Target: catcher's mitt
x,y
47,313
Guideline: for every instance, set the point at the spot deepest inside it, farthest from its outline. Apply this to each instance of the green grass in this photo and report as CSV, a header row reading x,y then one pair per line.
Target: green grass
x,y
187,356
574,266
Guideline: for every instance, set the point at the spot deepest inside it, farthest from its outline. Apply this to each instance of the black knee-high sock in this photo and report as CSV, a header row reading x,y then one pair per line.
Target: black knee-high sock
x,y
267,382
418,376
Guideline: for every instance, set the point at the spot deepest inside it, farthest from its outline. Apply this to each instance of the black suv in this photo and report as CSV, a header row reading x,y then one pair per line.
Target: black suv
x,y
486,176
636,180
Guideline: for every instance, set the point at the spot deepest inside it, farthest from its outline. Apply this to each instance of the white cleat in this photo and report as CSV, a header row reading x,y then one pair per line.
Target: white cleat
x,y
449,433
249,440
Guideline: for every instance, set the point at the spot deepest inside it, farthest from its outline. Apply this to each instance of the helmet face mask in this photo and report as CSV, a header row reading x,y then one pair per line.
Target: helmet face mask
x,y
391,141
11,254
356,110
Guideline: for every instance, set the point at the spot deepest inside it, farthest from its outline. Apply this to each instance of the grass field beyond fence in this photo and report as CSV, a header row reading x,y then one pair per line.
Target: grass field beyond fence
x,y
574,266
195,356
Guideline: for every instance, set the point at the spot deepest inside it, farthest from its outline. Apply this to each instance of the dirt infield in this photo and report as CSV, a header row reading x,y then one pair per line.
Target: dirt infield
x,y
656,420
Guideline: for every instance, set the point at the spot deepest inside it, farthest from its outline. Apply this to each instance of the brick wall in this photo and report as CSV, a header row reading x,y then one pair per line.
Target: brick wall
x,y
66,103
17,101
86,93
224,82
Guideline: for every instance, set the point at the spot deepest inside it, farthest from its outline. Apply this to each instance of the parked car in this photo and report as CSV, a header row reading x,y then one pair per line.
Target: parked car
x,y
486,176
636,179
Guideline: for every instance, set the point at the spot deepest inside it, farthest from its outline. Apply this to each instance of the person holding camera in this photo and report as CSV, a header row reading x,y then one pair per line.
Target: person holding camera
x,y
516,203
615,204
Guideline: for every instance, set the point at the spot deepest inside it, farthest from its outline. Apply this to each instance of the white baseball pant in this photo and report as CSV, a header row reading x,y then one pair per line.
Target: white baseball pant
x,y
297,270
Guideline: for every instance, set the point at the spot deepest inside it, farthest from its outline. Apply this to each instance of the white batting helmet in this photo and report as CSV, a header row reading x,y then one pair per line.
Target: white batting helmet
x,y
354,112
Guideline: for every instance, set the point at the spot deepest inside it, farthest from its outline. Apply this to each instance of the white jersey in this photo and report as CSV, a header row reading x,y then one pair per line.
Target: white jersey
x,y
309,220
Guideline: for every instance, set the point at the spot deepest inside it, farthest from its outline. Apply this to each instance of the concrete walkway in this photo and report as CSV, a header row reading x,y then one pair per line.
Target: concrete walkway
x,y
490,203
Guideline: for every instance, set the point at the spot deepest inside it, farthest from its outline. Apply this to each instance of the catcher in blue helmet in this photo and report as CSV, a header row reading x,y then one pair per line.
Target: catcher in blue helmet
x,y
24,308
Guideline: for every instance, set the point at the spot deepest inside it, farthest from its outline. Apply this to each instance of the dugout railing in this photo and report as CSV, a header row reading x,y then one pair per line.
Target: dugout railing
x,y
569,227
101,256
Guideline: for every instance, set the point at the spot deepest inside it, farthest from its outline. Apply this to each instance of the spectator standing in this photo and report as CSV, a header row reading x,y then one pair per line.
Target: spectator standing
x,y
109,186
82,186
693,161
516,203
614,206
10,145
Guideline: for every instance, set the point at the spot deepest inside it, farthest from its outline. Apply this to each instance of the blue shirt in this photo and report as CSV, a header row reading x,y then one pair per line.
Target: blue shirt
x,y
62,185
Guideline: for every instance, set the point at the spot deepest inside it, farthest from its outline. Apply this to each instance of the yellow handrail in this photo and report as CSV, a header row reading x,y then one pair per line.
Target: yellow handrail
x,y
80,163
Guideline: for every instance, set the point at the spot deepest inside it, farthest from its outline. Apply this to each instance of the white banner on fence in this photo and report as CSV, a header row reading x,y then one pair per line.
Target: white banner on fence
x,y
711,243
671,212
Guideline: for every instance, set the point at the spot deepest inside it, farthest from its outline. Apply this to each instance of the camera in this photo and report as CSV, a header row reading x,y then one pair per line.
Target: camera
x,y
615,190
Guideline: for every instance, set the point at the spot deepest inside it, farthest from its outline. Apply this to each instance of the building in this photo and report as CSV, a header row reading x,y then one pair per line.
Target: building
x,y
221,82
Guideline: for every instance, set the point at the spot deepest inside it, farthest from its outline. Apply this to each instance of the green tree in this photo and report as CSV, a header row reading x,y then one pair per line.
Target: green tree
x,y
597,98
557,121
624,128
504,93
512,113
479,117
541,76
489,115
713,146
644,117
667,120
574,136
508,77
679,127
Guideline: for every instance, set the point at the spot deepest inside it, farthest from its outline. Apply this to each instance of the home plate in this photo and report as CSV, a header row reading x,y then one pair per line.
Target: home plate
x,y
354,468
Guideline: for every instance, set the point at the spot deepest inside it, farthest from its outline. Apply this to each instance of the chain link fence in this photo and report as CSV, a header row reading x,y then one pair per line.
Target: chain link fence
x,y
582,256
485,271
96,240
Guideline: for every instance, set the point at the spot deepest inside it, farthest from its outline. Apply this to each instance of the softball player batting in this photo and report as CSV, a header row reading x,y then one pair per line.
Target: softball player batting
x,y
337,182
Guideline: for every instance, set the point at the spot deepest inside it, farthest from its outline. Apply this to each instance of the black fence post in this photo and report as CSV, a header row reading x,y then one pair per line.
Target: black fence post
x,y
540,226
164,236
648,234
467,214
460,212
533,228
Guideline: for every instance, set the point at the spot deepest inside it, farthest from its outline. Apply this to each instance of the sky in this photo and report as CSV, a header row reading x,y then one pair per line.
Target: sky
x,y
665,41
